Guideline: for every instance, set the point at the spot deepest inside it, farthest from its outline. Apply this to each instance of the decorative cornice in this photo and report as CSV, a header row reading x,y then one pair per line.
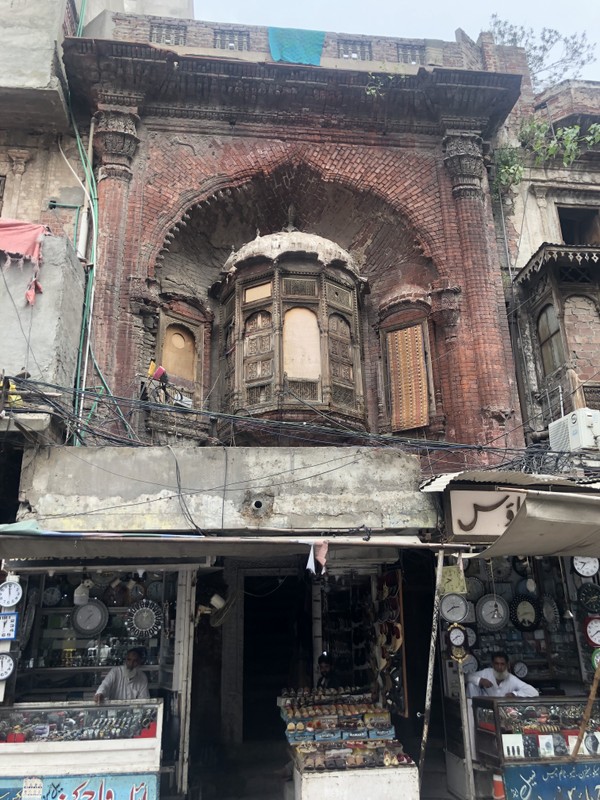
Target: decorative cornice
x,y
464,162
574,254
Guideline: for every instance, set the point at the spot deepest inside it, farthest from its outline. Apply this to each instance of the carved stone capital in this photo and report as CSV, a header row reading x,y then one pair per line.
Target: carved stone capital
x,y
464,162
115,142
445,309
19,159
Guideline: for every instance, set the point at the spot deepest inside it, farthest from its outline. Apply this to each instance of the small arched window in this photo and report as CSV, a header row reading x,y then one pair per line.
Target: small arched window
x,y
550,341
179,353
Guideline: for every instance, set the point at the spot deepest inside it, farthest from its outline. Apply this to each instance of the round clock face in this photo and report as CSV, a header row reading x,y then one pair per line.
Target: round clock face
x,y
520,669
470,664
596,658
550,614
457,635
471,636
453,607
591,626
52,596
500,568
144,619
136,592
90,619
7,666
588,595
475,589
154,591
492,612
586,566
525,612
10,593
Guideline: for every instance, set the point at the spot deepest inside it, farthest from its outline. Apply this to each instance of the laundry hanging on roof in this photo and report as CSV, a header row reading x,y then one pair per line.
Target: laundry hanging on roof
x,y
295,46
22,241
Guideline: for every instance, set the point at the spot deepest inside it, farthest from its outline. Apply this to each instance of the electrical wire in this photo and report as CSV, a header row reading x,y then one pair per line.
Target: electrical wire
x,y
25,336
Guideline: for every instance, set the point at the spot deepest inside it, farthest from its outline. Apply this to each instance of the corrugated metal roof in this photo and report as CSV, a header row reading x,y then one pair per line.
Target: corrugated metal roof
x,y
437,483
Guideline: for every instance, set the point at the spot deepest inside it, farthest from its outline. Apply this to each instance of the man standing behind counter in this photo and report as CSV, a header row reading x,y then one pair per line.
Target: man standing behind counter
x,y
497,681
127,682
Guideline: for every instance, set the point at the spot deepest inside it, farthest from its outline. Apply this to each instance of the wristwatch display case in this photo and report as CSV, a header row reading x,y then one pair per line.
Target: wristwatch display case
x,y
533,729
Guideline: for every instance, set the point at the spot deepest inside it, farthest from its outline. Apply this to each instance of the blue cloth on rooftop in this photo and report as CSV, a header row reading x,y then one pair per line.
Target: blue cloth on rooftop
x,y
296,46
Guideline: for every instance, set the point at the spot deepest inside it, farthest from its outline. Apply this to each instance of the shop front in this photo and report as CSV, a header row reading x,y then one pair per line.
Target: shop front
x,y
530,592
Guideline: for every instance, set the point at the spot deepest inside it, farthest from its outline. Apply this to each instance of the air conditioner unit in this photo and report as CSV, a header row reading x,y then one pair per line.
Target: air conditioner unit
x,y
579,430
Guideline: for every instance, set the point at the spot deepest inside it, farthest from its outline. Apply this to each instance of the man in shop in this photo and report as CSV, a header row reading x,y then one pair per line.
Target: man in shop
x,y
127,682
498,681
327,677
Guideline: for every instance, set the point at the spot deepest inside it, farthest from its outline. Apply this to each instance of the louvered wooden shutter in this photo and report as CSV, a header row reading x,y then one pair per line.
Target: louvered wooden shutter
x,y
407,375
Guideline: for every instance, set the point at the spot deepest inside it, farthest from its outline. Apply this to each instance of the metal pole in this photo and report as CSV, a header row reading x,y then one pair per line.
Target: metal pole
x,y
431,666
464,716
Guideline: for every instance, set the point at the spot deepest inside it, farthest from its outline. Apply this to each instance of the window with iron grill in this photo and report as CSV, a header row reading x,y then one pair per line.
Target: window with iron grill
x,y
168,34
356,49
231,40
411,53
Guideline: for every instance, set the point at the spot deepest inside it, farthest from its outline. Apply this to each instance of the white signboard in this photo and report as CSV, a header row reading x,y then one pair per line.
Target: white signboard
x,y
482,516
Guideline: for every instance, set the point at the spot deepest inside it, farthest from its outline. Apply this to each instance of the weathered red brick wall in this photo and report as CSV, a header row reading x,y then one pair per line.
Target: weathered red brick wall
x,y
582,327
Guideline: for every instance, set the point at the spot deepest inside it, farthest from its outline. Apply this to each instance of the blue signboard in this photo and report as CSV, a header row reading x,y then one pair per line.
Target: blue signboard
x,y
81,787
578,781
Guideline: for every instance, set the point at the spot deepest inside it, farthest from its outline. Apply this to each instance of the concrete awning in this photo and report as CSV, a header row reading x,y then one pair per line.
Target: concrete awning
x,y
551,524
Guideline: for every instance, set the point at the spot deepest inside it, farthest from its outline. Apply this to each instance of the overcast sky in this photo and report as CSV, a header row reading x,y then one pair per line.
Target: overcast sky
x,y
421,19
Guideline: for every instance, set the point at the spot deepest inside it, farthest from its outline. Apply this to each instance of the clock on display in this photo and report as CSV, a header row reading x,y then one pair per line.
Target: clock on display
x,y
520,565
458,653
154,591
471,637
470,664
525,612
10,593
8,625
591,628
500,568
457,635
492,612
136,592
453,580
550,614
586,566
520,669
596,658
588,595
471,616
144,619
90,619
7,666
475,588
52,596
453,607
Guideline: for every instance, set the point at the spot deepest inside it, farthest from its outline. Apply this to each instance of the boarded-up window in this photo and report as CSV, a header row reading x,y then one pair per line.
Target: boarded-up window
x,y
301,345
179,353
407,378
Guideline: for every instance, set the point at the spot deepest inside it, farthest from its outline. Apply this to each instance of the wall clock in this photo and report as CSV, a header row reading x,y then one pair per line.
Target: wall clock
x,y
154,591
8,625
586,566
144,619
475,588
520,669
596,658
550,614
591,628
51,596
471,637
7,665
588,595
453,607
457,635
90,619
525,612
470,664
10,593
492,612
453,580
500,568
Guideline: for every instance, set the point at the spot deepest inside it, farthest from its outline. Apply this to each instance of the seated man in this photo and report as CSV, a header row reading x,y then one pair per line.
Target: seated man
x,y
497,681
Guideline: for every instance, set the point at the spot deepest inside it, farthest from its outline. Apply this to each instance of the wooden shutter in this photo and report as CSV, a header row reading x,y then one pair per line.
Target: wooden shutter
x,y
407,376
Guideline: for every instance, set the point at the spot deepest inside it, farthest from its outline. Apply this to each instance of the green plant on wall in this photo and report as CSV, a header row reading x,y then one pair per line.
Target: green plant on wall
x,y
545,144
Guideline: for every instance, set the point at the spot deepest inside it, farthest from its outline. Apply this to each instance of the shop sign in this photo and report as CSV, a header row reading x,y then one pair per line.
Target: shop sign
x,y
547,781
80,787
482,516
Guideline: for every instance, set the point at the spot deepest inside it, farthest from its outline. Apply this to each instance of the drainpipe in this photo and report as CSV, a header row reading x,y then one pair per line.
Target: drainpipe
x,y
85,216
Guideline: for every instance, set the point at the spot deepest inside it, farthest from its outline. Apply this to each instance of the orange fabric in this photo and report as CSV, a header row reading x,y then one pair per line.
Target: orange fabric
x,y
21,239
407,374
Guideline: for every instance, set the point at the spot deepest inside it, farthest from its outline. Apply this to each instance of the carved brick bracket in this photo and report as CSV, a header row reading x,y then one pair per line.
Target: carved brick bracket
x,y
115,142
464,162
445,309
19,159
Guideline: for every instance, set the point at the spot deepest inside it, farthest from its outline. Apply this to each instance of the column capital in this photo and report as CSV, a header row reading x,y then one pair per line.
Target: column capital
x,y
19,159
115,142
464,162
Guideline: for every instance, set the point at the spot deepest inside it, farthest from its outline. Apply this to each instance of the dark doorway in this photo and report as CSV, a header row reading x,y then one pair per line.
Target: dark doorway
x,y
10,476
276,650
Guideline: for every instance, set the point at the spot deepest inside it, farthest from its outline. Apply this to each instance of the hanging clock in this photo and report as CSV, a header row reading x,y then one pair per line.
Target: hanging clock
x,y
525,612
51,596
90,619
492,612
144,619
154,591
550,614
453,607
457,635
475,588
7,665
471,637
520,669
588,595
137,592
470,664
9,622
10,593
520,565
586,566
591,628
104,578
499,568
596,658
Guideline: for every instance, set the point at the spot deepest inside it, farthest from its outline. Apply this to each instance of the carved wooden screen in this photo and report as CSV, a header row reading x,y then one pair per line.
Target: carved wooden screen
x,y
407,378
340,361
258,358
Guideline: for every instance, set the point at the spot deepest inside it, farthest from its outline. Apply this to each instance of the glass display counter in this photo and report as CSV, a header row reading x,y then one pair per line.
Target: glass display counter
x,y
511,730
